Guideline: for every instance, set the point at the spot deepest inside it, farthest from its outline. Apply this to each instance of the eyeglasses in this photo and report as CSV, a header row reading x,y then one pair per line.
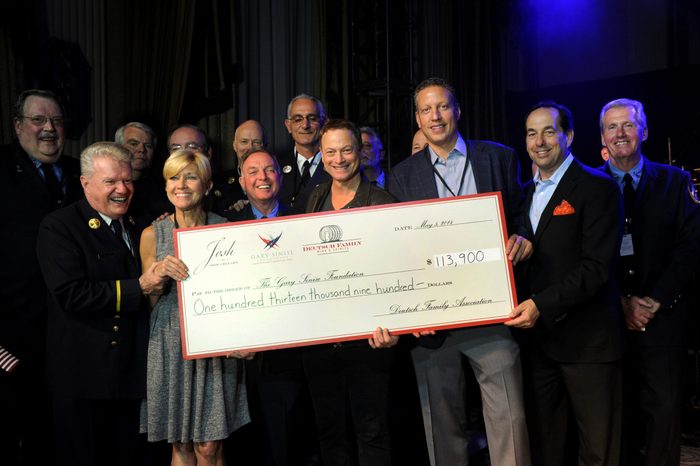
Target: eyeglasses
x,y
188,146
40,120
299,119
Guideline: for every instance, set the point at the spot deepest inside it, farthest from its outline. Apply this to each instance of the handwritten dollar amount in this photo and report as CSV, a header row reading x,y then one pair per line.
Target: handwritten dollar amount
x,y
456,259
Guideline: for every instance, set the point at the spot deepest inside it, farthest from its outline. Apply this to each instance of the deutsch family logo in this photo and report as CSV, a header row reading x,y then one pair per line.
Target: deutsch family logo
x,y
330,233
331,241
271,242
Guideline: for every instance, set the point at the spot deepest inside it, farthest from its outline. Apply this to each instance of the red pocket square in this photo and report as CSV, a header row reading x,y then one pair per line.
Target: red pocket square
x,y
564,208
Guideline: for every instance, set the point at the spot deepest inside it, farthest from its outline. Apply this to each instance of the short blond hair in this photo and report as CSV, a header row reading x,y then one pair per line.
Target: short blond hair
x,y
180,159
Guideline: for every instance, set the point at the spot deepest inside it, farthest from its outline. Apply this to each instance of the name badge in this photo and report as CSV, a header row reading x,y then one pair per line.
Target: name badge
x,y
626,248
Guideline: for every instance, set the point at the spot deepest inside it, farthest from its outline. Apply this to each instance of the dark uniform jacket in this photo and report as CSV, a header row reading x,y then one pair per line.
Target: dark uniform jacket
x,y
665,231
22,290
292,193
226,192
98,318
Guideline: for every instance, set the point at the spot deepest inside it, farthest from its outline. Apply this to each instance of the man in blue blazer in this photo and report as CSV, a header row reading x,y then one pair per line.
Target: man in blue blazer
x,y
572,345
658,258
451,166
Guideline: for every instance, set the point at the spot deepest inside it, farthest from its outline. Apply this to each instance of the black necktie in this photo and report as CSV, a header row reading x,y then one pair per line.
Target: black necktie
x,y
116,226
52,183
629,194
305,173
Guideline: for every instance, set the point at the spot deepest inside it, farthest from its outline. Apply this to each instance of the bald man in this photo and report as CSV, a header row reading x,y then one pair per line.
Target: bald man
x,y
250,135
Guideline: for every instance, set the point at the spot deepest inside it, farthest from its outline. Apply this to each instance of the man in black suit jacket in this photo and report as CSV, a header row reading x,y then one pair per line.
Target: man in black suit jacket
x,y
659,255
37,180
573,352
451,166
303,170
98,318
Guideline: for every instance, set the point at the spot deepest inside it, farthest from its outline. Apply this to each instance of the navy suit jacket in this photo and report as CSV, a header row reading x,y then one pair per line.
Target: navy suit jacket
x,y
666,234
571,273
98,319
495,168
247,213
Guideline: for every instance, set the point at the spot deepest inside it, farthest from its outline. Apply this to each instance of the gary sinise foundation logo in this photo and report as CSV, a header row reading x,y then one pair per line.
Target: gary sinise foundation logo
x,y
270,241
271,250
331,241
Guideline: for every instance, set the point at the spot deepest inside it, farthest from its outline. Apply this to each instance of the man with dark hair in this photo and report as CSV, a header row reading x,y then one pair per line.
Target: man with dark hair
x,y
659,255
372,156
98,315
573,345
303,170
450,166
38,180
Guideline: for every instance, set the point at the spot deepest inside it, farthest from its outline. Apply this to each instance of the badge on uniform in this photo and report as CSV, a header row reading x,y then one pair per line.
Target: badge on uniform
x,y
287,169
232,180
693,193
94,223
217,193
626,247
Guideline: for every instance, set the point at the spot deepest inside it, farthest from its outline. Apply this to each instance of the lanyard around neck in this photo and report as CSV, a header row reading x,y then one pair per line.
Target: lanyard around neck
x,y
442,180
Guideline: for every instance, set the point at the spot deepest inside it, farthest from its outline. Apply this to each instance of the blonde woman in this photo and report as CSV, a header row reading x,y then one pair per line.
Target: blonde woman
x,y
193,404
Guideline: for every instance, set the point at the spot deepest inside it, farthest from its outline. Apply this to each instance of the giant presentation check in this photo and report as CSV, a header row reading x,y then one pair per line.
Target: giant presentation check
x,y
335,276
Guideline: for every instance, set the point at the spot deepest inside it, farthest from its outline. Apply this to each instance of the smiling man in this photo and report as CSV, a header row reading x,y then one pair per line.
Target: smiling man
x,y
303,169
261,180
451,166
97,315
39,180
658,258
572,344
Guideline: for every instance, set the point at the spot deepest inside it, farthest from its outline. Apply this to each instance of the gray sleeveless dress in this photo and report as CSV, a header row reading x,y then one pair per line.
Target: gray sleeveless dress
x,y
187,401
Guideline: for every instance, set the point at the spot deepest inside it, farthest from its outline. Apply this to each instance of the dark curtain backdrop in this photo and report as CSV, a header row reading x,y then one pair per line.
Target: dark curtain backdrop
x,y
280,53
464,43
148,46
